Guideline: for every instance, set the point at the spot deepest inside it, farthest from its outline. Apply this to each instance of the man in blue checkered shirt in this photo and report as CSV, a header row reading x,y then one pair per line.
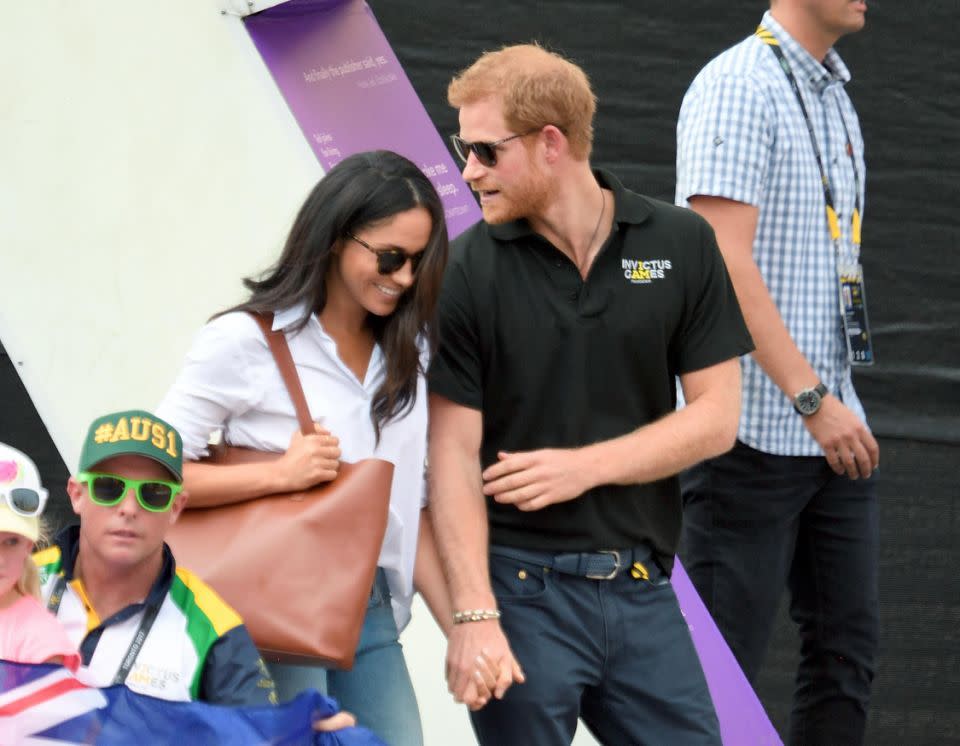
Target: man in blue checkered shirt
x,y
794,502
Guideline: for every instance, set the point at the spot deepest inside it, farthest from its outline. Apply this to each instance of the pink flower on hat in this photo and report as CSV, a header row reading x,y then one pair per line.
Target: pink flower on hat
x,y
9,471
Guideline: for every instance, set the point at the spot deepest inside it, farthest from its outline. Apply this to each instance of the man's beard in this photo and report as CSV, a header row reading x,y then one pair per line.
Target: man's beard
x,y
526,198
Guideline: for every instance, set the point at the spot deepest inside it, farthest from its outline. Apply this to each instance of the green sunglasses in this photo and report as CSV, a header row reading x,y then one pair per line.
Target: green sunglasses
x,y
154,495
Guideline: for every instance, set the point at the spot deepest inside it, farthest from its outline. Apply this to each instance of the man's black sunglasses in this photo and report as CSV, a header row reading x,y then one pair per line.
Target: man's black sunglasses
x,y
390,260
486,152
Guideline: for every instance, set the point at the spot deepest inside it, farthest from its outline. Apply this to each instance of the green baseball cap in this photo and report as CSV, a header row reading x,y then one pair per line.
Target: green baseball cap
x,y
134,433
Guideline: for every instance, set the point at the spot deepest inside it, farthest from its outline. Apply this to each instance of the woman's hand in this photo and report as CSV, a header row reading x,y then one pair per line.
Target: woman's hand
x,y
335,722
309,460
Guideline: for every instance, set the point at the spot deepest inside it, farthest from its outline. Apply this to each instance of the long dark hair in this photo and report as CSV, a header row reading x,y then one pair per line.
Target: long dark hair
x,y
360,191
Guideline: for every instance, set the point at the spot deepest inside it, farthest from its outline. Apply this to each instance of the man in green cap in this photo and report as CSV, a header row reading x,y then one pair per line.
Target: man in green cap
x,y
136,617
112,582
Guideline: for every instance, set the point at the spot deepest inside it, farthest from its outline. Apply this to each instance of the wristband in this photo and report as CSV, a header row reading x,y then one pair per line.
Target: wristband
x,y
475,615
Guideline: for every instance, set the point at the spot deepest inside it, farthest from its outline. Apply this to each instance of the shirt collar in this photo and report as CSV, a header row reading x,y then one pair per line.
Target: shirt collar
x,y
628,207
69,542
805,67
289,316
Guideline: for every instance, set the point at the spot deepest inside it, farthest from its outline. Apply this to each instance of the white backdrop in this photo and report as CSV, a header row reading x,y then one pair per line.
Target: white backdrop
x,y
147,163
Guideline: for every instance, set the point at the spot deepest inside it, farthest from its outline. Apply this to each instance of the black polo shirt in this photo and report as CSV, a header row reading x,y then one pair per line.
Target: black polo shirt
x,y
555,361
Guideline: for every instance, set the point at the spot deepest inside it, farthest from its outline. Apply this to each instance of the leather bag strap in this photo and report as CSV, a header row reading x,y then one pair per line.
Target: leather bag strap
x,y
277,341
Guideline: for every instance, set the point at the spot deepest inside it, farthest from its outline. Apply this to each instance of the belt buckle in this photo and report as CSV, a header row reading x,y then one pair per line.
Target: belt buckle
x,y
616,567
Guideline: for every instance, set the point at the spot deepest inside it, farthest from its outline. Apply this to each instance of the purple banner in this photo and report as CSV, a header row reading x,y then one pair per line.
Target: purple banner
x,y
743,721
348,93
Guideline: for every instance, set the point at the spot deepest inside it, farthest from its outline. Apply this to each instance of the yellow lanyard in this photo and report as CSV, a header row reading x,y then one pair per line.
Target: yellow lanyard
x,y
832,221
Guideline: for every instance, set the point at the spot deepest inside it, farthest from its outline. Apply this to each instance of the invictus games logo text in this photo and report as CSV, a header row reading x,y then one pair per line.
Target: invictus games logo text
x,y
645,271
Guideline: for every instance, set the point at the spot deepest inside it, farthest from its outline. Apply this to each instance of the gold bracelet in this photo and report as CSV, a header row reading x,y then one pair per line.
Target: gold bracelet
x,y
475,615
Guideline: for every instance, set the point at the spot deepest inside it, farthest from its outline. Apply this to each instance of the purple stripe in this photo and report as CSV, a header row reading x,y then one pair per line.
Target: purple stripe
x,y
348,93
743,721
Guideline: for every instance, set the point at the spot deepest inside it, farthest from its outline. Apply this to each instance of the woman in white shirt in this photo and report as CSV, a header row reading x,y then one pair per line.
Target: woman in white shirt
x,y
354,291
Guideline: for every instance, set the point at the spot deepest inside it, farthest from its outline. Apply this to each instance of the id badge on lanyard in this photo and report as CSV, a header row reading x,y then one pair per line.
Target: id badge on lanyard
x,y
853,294
853,310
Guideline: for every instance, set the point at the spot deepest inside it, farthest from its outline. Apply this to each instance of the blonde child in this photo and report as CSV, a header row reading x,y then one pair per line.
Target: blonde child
x,y
28,632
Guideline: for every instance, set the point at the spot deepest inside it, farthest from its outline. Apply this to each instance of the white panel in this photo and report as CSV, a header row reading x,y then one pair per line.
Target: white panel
x,y
149,163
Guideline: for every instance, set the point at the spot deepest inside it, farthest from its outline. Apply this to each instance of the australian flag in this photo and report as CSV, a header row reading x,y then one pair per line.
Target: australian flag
x,y
47,705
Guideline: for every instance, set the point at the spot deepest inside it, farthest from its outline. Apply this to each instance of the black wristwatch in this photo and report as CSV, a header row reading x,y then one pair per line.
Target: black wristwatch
x,y
808,401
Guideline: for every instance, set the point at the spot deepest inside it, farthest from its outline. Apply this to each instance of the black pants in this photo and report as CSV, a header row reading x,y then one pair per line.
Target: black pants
x,y
754,522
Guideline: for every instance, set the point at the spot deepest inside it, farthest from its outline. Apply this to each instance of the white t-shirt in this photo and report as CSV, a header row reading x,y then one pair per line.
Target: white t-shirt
x,y
230,382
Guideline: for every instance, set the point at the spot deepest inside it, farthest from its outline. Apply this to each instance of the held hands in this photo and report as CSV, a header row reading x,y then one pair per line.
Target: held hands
x,y
309,460
847,444
532,480
480,664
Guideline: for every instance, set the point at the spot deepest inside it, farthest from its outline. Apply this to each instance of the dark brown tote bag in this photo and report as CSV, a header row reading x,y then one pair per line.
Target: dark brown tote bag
x,y
298,567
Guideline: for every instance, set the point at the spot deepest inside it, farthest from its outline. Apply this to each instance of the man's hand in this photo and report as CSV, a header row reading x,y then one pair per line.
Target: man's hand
x,y
480,663
483,684
531,480
847,444
335,722
309,460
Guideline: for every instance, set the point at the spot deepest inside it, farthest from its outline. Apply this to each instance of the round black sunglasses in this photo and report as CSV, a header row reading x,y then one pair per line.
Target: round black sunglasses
x,y
390,260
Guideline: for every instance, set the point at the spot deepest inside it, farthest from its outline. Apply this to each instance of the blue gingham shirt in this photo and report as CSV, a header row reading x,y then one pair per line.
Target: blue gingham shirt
x,y
742,135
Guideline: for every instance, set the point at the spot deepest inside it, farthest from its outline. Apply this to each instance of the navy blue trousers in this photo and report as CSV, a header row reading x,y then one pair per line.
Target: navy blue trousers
x,y
755,523
616,653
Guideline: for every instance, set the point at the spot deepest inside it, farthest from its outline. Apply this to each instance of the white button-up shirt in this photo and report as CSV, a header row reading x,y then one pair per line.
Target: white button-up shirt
x,y
231,383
